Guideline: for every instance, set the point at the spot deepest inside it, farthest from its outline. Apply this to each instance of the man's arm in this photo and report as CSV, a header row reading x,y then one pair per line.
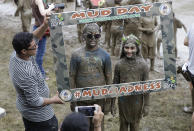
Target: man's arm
x,y
32,96
157,26
72,76
179,24
145,29
42,9
39,32
53,100
73,70
108,70
116,79
146,96
185,28
186,41
145,73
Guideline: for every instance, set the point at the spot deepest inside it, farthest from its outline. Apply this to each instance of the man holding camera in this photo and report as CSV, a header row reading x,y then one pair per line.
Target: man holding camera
x,y
32,100
91,66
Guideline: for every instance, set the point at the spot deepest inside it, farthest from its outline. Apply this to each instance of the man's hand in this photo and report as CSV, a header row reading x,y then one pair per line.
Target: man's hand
x,y
39,32
184,68
98,117
46,20
51,6
53,100
56,99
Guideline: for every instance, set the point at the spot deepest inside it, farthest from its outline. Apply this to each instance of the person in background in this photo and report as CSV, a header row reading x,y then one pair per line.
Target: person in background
x,y
24,8
189,41
39,11
32,100
78,121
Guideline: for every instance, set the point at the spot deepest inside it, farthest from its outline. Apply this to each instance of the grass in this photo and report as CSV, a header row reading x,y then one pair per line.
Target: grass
x,y
165,107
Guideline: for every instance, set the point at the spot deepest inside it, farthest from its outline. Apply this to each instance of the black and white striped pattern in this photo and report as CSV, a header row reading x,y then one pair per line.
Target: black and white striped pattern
x,y
31,89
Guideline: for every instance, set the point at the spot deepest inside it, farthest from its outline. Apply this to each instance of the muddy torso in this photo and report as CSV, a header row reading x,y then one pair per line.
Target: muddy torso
x,y
90,69
148,37
131,70
131,26
131,107
148,22
117,26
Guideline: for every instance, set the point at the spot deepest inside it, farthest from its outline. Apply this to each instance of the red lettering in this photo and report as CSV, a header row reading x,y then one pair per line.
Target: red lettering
x,y
130,89
104,91
87,93
105,12
77,94
78,15
138,87
93,13
158,85
146,8
145,87
96,92
123,89
134,9
110,91
152,86
121,11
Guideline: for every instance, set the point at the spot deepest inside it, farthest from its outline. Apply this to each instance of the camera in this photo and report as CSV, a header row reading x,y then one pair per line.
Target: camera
x,y
60,6
88,111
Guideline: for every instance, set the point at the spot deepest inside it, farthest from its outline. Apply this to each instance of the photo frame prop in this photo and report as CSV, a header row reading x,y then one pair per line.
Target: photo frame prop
x,y
57,20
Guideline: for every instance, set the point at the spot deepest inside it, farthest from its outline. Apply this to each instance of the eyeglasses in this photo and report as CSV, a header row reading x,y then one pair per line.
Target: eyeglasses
x,y
96,36
33,47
